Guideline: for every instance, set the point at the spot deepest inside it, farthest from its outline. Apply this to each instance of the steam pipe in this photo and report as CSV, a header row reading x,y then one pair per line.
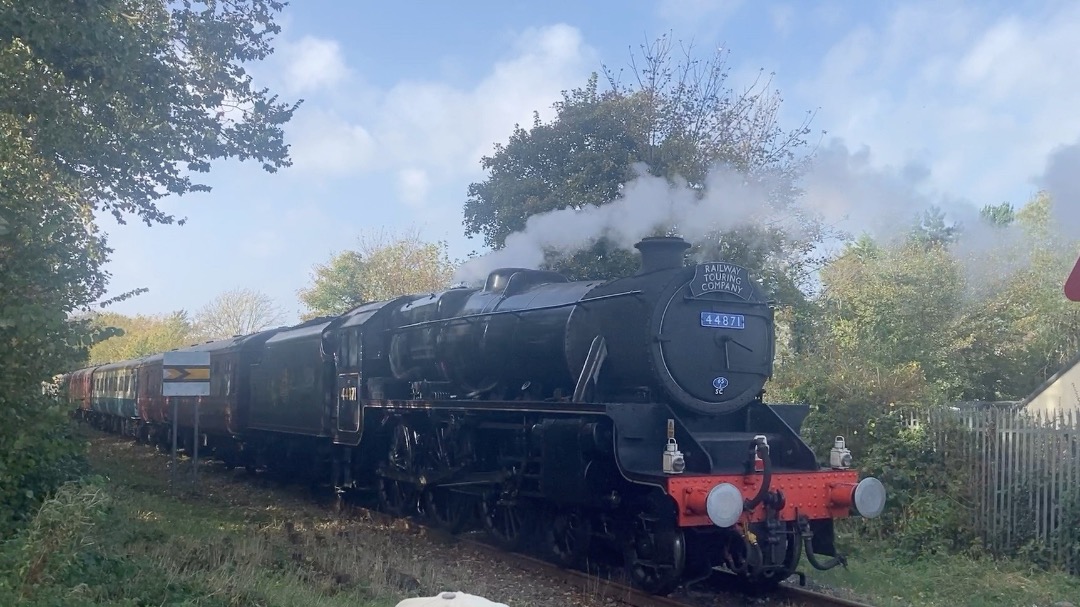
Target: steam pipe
x,y
762,451
808,548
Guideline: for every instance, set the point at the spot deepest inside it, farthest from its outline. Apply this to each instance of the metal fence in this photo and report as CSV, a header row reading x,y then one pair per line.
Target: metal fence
x,y
1023,478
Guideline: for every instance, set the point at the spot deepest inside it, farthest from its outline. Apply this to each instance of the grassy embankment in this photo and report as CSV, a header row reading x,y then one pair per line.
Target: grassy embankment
x,y
127,541
888,580
123,539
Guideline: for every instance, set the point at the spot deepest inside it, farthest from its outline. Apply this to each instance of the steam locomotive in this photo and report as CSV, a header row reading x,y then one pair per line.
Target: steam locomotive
x,y
617,420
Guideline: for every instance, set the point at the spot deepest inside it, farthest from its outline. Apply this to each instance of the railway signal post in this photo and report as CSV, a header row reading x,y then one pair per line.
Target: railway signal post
x,y
185,374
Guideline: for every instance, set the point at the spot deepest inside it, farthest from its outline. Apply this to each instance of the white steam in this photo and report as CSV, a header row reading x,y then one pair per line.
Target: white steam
x,y
647,204
842,188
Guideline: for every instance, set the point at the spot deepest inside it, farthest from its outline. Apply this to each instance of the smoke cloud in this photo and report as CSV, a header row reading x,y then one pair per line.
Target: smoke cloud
x,y
647,204
840,187
1062,181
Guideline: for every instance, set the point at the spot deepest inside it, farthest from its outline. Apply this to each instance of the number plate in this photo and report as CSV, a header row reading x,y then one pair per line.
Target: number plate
x,y
723,321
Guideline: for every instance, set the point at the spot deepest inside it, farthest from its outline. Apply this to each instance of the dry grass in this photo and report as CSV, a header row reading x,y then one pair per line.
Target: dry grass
x,y
240,540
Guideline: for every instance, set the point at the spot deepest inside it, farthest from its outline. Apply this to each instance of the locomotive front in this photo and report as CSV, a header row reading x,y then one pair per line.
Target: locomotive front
x,y
664,372
743,492
700,338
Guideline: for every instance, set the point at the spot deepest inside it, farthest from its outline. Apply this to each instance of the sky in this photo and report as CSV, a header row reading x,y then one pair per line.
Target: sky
x,y
966,103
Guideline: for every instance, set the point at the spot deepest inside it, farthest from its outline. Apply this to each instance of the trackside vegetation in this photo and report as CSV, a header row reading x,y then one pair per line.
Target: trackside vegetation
x,y
105,107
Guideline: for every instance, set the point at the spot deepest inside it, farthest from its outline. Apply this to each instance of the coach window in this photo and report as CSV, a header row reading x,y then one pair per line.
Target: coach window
x,y
228,378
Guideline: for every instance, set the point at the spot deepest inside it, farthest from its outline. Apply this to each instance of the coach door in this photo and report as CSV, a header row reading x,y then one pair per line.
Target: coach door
x,y
348,383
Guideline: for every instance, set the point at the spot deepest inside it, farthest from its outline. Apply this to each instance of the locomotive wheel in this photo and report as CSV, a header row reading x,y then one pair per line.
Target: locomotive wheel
x,y
396,498
507,521
791,554
569,536
655,551
655,561
447,509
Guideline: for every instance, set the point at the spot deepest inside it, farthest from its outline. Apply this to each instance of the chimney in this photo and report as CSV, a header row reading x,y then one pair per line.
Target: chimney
x,y
661,253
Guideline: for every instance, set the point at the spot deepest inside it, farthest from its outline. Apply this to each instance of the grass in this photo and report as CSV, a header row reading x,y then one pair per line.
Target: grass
x,y
122,539
884,579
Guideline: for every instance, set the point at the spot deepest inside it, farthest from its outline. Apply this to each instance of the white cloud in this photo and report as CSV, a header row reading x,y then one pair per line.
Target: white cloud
x,y
782,17
324,142
980,99
698,16
313,63
413,186
435,126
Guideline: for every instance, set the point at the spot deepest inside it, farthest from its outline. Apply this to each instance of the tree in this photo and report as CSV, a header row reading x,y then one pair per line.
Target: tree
x,y
138,336
123,98
679,120
384,266
106,105
931,230
998,214
338,285
237,312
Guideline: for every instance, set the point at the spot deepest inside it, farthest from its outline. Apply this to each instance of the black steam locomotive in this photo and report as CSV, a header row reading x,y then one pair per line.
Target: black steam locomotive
x,y
617,419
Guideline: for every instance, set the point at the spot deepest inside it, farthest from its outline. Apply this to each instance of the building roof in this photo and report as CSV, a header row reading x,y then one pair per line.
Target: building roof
x,y
1050,381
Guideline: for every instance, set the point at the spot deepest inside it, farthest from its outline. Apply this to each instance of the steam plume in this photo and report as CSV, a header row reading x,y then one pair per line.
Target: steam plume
x,y
840,187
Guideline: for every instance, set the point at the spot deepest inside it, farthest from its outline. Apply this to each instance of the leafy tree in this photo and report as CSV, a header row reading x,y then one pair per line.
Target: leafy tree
x,y
932,230
237,312
122,98
678,118
895,306
901,328
138,336
999,214
384,266
338,285
106,105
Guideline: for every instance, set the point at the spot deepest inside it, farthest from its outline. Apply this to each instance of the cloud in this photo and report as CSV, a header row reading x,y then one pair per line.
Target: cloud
x,y
980,98
324,142
782,17
313,63
434,126
700,17
413,186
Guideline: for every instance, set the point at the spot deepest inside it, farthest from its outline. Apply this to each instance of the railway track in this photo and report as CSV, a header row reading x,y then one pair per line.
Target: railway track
x,y
626,595
711,595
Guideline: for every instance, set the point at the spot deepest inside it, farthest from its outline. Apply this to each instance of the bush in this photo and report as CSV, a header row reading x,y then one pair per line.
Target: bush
x,y
928,509
38,453
57,539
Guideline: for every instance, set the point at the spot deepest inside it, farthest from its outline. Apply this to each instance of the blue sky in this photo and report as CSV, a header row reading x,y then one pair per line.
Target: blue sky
x,y
402,99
